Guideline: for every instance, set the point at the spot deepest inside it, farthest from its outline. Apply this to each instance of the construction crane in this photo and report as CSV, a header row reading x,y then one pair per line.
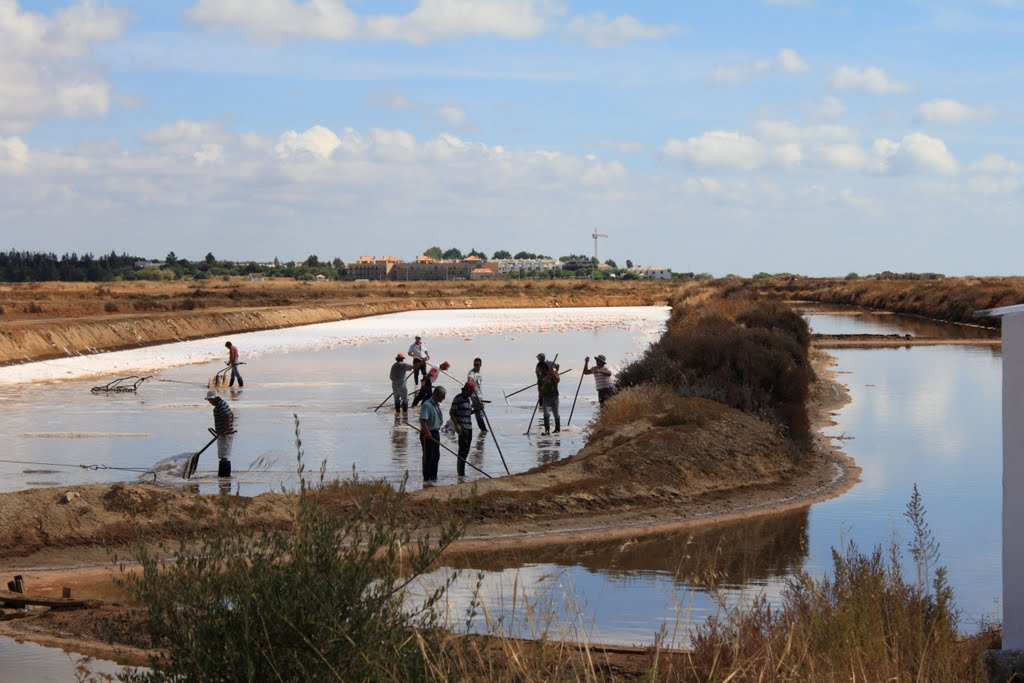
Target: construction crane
x,y
595,236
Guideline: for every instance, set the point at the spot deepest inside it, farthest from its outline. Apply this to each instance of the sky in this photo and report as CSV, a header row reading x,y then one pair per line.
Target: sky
x,y
730,137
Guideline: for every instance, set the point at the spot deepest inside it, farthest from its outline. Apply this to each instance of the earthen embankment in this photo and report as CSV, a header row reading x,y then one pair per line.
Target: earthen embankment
x,y
73,318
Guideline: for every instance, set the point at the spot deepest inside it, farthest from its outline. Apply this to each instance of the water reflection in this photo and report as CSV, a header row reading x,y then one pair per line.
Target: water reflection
x,y
728,554
836,319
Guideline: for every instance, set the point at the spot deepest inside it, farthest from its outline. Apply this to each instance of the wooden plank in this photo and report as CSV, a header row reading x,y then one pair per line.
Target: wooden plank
x,y
22,599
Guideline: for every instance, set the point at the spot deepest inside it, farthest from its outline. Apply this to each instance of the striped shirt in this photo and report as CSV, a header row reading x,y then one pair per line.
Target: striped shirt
x,y
462,411
223,418
602,378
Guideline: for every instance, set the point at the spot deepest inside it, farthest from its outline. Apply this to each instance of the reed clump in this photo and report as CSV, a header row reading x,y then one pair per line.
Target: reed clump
x,y
749,355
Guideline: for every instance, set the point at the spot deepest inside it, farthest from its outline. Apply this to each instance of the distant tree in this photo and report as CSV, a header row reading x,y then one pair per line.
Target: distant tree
x,y
434,253
478,254
526,255
452,254
629,264
852,276
611,263
337,263
171,258
501,253
210,258
277,263
313,261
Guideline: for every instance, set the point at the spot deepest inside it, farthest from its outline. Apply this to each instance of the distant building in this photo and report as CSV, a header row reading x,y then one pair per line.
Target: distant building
x,y
373,268
651,272
508,266
426,268
482,274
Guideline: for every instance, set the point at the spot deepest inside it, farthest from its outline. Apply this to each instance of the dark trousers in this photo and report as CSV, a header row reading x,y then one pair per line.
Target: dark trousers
x,y
464,441
431,454
604,394
235,375
419,367
480,422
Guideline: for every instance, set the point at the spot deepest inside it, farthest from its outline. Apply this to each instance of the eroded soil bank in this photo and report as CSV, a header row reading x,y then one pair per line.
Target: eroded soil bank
x,y
52,320
697,466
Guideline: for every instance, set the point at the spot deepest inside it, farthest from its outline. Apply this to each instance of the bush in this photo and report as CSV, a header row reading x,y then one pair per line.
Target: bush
x,y
323,600
748,355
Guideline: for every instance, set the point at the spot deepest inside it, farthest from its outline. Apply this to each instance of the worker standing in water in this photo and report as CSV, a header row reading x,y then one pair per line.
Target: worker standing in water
x,y
233,362
224,427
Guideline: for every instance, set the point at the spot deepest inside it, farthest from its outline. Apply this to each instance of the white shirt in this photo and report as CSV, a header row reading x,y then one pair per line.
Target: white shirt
x,y
417,350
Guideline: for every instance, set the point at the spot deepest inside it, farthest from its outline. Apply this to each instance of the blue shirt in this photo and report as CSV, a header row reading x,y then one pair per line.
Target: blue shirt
x,y
431,413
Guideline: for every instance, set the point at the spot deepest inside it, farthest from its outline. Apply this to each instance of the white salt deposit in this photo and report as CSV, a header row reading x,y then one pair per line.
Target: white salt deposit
x,y
385,328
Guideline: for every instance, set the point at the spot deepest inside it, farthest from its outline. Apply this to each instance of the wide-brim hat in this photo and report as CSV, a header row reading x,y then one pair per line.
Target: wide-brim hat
x,y
601,358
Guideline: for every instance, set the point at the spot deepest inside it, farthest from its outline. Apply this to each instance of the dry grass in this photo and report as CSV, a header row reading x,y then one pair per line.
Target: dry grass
x,y
64,299
949,299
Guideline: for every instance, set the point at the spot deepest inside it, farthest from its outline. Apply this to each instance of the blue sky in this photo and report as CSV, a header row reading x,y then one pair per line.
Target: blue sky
x,y
729,137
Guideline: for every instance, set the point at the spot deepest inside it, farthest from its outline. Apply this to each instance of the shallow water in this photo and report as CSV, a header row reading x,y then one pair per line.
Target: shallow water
x,y
330,376
31,663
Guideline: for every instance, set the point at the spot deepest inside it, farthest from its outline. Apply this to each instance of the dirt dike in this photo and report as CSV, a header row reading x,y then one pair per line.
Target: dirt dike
x,y
234,307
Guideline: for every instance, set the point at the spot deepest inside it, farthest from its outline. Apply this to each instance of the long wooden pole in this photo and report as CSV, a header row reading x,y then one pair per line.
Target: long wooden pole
x,y
571,411
417,430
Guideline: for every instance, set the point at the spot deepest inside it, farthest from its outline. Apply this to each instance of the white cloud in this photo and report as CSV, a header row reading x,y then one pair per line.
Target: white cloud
x,y
45,67
731,150
830,107
996,164
452,114
597,30
393,98
788,146
943,110
276,20
317,142
435,20
786,60
13,154
734,193
915,152
871,80
787,131
990,185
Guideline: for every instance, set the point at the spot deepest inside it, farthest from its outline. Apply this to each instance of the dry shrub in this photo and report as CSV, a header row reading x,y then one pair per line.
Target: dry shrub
x,y
749,355
869,622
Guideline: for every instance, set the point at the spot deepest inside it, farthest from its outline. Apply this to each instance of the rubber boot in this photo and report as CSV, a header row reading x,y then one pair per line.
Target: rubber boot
x,y
547,425
558,425
224,468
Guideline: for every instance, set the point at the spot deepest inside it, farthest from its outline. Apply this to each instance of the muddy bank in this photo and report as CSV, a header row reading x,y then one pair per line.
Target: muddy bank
x,y
74,319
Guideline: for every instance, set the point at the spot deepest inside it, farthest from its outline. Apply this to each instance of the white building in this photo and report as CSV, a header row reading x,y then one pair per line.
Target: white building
x,y
652,272
530,265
